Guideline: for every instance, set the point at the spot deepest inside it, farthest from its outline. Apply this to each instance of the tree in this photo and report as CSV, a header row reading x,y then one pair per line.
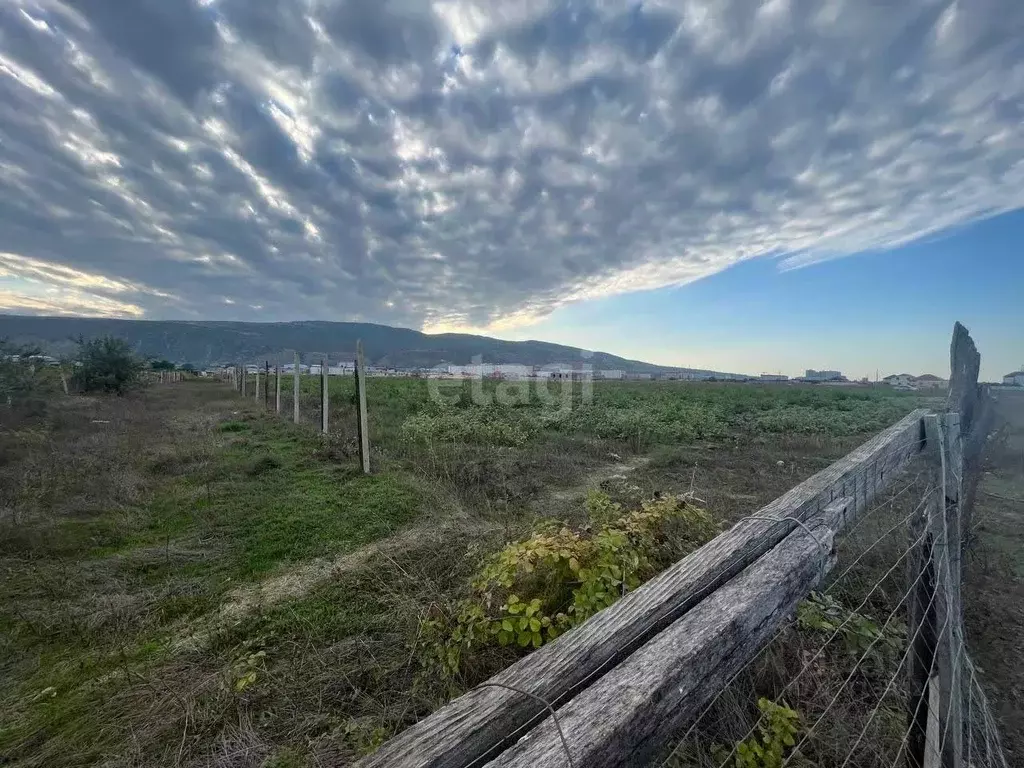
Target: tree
x,y
161,365
106,364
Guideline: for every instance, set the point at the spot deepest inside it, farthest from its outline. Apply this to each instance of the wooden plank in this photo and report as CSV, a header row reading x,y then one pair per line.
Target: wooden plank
x,y
362,423
943,450
245,375
478,724
628,717
266,384
295,390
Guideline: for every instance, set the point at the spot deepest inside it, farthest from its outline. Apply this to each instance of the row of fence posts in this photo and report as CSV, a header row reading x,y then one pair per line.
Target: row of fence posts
x,y
166,377
241,384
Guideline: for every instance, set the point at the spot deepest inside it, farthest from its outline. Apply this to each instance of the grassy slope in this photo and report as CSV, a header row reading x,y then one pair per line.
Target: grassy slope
x,y
132,525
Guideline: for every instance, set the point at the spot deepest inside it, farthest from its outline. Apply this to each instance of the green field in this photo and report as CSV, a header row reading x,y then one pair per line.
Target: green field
x,y
188,579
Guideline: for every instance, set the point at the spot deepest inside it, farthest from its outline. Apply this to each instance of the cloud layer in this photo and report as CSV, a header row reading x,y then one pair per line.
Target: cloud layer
x,y
468,163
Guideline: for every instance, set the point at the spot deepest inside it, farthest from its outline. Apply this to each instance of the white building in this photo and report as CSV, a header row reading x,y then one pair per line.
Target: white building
x,y
1015,379
610,375
813,375
496,370
773,377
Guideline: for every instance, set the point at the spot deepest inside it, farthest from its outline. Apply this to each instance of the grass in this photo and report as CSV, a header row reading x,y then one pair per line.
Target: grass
x,y
132,524
187,580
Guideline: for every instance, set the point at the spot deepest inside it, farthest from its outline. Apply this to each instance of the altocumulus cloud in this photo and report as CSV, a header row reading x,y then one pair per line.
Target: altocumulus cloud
x,y
473,163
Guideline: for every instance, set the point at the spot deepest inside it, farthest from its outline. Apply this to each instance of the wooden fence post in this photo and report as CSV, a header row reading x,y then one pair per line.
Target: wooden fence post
x,y
295,389
256,394
944,734
277,388
362,423
324,397
974,405
921,629
266,384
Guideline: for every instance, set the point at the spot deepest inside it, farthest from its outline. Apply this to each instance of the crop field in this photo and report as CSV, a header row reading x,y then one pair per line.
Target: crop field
x,y
188,579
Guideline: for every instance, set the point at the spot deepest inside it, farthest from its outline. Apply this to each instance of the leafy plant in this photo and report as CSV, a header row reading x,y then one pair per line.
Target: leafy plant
x,y
534,590
247,668
823,613
777,729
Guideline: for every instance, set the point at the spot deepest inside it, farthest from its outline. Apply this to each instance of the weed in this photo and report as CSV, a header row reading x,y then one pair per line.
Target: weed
x,y
534,590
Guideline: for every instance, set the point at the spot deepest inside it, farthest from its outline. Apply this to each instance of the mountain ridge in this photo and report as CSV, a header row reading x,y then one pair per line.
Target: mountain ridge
x,y
212,342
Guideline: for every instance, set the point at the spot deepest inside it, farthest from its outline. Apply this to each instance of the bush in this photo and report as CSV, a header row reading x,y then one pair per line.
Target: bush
x,y
534,590
106,365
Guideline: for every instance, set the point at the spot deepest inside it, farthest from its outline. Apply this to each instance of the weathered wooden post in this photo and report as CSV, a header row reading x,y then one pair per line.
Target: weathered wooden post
x,y
324,397
256,394
266,384
295,389
277,388
974,405
362,423
245,375
935,624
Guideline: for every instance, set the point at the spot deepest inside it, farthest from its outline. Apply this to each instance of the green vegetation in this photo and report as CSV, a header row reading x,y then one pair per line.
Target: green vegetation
x,y
534,590
777,727
106,365
184,576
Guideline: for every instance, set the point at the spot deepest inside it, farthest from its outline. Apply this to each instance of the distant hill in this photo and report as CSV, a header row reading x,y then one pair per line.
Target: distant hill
x,y
209,343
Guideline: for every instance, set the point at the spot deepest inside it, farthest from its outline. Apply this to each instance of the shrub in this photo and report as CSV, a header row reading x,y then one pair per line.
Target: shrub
x,y
534,590
106,365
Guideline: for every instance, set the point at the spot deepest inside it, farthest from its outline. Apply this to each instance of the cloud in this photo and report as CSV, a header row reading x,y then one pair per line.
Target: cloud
x,y
460,163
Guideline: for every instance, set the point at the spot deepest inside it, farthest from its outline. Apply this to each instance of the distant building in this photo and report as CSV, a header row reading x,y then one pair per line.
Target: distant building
x,y
639,376
929,381
813,375
1015,379
610,375
901,380
489,370
772,377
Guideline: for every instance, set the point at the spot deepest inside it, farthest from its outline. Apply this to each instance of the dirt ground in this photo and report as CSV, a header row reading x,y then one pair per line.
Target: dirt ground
x,y
994,592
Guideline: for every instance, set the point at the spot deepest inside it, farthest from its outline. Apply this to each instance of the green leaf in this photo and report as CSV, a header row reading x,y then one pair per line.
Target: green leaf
x,y
535,625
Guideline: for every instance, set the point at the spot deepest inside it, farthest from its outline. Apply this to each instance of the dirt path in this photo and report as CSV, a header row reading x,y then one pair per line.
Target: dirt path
x,y
995,578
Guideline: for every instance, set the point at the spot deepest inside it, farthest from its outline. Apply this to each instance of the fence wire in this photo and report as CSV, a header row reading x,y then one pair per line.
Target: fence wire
x,y
832,686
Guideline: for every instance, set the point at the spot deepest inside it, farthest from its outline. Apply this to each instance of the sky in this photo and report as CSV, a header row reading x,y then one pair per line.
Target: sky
x,y
740,185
